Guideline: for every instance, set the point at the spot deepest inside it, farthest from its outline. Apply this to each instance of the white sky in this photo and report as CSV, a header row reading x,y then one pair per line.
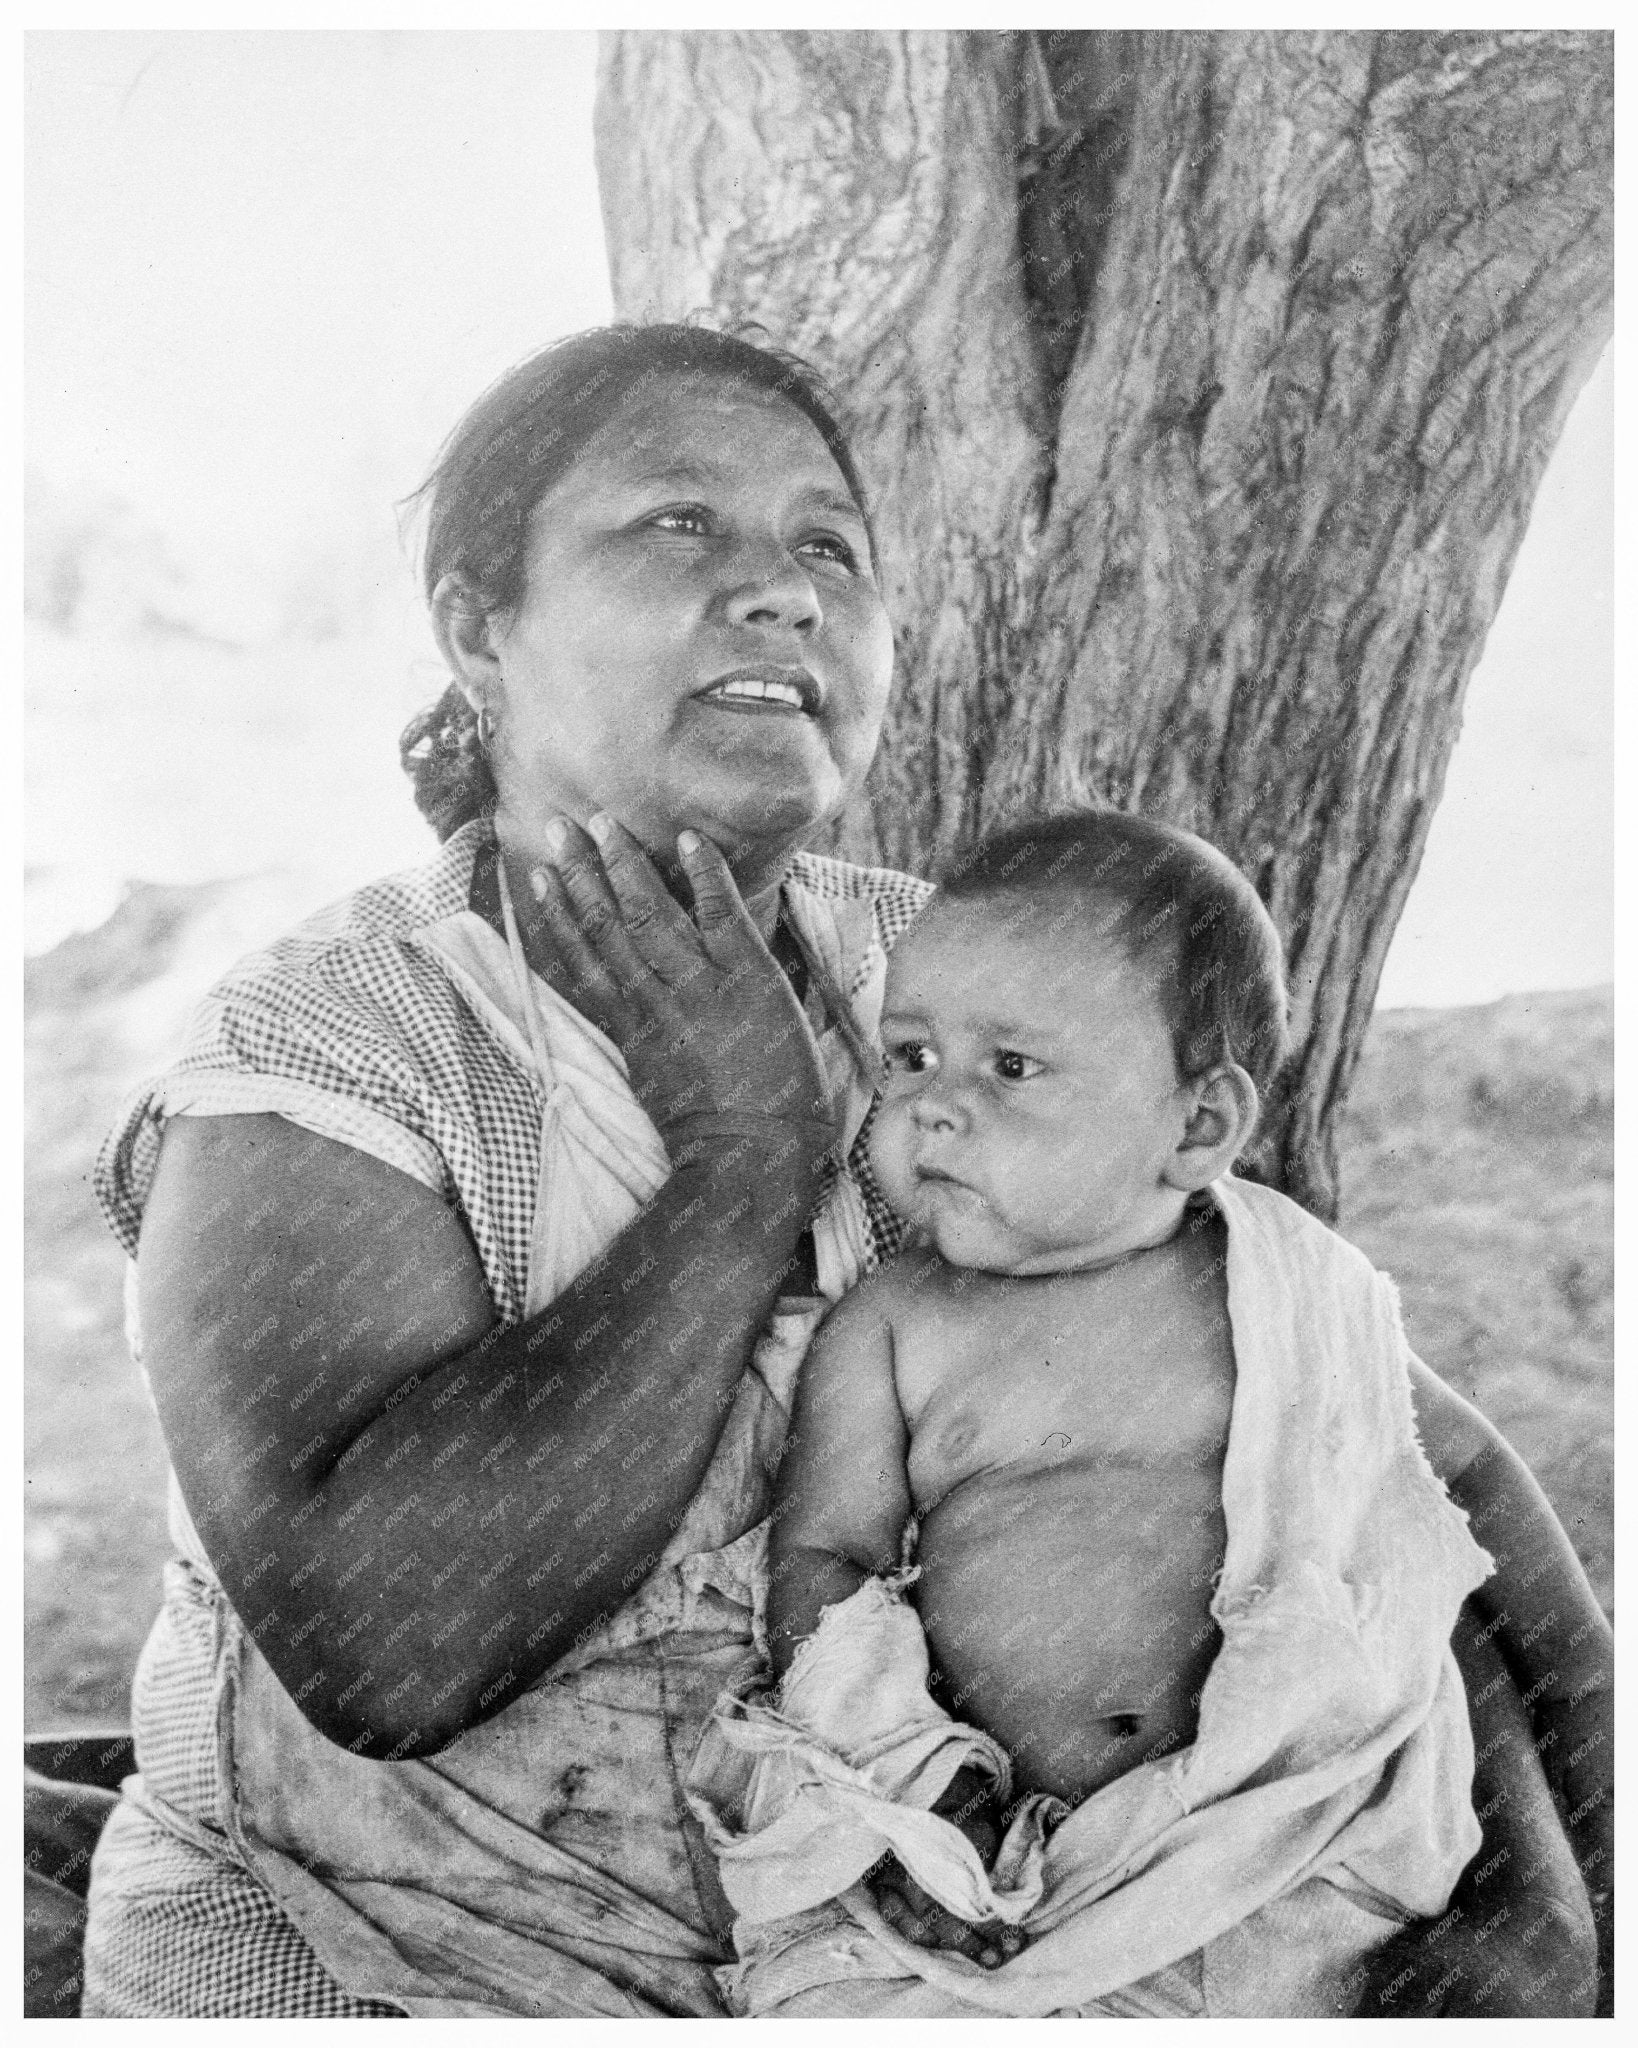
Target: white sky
x,y
267,271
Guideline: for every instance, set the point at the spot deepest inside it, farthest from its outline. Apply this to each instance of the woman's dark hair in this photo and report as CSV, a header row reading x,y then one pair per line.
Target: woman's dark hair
x,y
1182,910
524,433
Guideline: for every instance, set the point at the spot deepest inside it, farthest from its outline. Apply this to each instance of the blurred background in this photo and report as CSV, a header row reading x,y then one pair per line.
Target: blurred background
x,y
265,274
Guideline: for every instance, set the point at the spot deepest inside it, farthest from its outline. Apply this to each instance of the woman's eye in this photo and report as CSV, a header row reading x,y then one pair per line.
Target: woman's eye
x,y
681,519
1017,1066
832,548
911,1057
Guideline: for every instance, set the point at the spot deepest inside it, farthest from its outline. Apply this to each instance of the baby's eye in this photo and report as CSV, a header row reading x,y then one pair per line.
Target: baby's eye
x,y
910,1056
1017,1066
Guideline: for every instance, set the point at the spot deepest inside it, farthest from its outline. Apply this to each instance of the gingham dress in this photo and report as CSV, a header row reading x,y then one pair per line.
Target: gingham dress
x,y
351,1027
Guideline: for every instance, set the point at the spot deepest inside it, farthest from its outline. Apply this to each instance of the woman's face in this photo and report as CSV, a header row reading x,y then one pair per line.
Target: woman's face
x,y
701,642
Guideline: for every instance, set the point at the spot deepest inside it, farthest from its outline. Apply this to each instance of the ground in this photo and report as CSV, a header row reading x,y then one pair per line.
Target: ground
x,y
1477,1169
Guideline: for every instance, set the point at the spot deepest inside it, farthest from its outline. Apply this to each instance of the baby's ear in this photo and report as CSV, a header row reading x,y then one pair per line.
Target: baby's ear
x,y
1220,1114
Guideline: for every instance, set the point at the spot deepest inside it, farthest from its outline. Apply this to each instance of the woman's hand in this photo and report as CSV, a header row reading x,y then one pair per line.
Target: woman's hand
x,y
911,1912
700,1009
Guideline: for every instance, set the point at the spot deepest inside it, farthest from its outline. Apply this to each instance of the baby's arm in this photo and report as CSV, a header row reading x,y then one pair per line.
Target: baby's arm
x,y
843,1495
1545,1619
840,1508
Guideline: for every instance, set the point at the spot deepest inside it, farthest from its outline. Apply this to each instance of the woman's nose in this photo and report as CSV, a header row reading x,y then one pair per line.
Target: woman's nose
x,y
769,586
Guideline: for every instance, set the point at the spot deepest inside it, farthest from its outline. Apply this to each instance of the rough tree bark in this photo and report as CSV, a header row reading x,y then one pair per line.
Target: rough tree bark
x,y
1204,382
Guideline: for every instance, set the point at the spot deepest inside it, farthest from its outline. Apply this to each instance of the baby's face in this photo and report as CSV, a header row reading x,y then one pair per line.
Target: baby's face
x,y
1032,1099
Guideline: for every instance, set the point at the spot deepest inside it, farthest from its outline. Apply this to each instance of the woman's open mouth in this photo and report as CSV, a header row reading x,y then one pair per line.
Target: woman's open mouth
x,y
788,692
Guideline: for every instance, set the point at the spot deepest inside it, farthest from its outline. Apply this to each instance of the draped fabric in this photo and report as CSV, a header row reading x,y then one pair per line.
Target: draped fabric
x,y
1324,1801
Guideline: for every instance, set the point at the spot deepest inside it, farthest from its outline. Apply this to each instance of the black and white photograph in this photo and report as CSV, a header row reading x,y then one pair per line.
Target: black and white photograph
x,y
818,1044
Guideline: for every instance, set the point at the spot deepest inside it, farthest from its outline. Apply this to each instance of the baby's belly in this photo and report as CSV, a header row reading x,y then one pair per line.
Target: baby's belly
x,y
1067,1612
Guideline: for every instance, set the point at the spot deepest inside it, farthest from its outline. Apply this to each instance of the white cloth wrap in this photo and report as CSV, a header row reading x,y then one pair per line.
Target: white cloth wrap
x,y
1324,1801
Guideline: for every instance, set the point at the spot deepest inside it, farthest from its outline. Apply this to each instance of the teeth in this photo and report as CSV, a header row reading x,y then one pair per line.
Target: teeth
x,y
770,693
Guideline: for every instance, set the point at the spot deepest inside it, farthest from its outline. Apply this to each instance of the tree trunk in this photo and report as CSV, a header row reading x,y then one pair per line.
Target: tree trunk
x,y
1204,382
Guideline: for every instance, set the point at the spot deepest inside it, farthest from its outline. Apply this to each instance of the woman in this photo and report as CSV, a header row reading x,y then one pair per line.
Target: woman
x,y
483,1225
431,1441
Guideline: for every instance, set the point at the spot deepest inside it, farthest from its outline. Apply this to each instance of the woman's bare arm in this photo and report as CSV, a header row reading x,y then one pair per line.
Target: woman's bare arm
x,y
414,1511
1517,1939
1542,1612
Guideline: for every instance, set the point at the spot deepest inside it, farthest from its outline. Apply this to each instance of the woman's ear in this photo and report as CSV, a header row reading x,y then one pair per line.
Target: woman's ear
x,y
1220,1114
464,630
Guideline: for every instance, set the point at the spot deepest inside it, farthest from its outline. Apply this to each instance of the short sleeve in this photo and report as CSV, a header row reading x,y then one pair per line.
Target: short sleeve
x,y
894,900
274,1039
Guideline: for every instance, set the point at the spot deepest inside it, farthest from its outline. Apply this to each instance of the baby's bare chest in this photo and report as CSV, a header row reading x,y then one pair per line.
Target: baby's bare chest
x,y
1077,1378
1066,1462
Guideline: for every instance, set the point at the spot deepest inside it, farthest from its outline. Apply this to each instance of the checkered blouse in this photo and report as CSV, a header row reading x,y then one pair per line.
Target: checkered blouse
x,y
351,1028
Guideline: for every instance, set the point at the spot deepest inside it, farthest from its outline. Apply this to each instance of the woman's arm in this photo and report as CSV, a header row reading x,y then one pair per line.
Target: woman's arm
x,y
1541,1615
1517,1939
414,1512
1542,1612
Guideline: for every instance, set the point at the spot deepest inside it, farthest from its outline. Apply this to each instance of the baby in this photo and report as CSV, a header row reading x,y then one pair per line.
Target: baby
x,y
1146,1431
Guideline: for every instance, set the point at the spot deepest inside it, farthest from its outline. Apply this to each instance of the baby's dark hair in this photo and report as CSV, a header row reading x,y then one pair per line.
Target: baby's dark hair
x,y
1183,911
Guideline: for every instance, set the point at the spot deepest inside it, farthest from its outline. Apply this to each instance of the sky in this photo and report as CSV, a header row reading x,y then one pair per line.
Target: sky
x,y
266,272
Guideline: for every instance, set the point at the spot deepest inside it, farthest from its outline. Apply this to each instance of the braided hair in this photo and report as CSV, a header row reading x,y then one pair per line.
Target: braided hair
x,y
447,766
522,435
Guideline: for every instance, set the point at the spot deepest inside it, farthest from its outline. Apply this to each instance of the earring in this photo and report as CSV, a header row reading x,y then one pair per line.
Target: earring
x,y
486,727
